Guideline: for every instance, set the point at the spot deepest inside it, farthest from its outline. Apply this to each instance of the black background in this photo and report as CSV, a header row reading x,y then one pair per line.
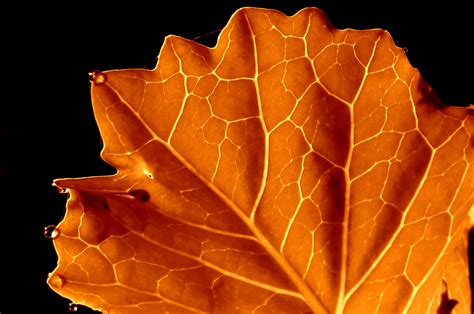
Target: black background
x,y
47,129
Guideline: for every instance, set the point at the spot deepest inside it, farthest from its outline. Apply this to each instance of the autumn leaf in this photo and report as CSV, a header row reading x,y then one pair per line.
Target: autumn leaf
x,y
294,167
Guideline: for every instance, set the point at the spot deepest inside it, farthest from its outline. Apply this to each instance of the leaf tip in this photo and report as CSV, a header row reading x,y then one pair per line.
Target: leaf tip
x,y
56,281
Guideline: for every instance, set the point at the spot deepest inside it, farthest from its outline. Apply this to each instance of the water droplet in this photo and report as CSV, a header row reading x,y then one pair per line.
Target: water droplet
x,y
51,232
56,281
72,307
97,77
405,49
61,189
140,195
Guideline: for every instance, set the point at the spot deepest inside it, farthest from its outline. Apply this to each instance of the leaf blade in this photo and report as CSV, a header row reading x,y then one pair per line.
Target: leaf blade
x,y
266,161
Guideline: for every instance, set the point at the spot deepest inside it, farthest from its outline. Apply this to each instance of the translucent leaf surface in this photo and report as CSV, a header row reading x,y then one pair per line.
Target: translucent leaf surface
x,y
294,167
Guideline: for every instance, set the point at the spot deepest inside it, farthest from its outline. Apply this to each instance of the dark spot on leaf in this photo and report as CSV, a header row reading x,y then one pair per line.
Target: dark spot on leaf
x,y
103,203
429,95
95,201
140,195
447,305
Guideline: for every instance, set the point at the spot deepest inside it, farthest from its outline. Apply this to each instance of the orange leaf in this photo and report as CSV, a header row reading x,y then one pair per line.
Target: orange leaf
x,y
294,167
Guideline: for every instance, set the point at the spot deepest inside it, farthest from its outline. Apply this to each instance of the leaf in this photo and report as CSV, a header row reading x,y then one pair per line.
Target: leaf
x,y
455,286
294,167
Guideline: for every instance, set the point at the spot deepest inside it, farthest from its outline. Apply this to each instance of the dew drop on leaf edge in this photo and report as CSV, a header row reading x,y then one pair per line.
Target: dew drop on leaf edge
x,y
51,232
97,77
72,307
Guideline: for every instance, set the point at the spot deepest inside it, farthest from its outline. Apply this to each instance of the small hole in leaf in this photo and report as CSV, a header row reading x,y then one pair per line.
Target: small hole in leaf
x,y
148,173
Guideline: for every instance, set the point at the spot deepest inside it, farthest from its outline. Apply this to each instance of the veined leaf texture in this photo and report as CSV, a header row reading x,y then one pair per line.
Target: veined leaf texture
x,y
294,167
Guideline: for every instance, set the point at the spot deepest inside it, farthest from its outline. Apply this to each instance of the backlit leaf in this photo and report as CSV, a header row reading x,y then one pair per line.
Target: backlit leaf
x,y
294,167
